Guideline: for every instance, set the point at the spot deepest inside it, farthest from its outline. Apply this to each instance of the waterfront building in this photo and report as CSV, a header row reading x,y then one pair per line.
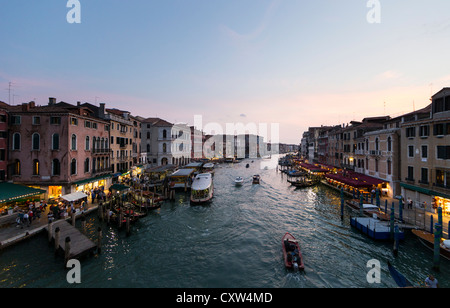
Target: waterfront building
x,y
425,160
313,144
181,144
304,145
165,143
197,141
3,140
124,140
378,155
334,146
54,148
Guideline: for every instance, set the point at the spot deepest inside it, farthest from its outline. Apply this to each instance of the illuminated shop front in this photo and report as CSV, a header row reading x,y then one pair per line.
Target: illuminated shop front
x,y
54,191
442,202
89,184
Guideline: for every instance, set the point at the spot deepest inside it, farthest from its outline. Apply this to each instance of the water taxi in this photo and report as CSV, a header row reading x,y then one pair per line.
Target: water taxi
x,y
202,188
208,167
238,181
181,178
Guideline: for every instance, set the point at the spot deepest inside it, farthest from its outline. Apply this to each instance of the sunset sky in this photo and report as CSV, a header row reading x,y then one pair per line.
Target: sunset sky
x,y
296,63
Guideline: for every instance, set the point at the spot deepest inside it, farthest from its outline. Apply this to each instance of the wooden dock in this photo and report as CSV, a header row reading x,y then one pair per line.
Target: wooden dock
x,y
79,243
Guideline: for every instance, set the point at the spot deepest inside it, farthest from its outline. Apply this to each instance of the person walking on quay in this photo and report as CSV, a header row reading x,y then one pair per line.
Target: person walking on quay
x,y
431,282
26,219
410,203
20,219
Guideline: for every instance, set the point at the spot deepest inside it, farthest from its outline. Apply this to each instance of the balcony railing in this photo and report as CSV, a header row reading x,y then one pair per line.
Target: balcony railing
x,y
101,170
101,151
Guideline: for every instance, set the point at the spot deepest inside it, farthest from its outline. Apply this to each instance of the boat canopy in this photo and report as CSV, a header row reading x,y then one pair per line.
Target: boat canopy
x,y
182,172
74,196
202,181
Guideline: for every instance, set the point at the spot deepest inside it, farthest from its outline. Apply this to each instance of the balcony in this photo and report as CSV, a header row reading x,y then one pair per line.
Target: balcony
x,y
101,151
101,170
375,152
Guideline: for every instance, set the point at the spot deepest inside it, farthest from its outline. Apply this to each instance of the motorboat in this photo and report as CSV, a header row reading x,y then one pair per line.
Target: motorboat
x,y
202,188
256,179
208,167
238,181
291,252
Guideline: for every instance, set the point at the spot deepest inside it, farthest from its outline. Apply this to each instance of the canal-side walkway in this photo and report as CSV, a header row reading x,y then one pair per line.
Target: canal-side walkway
x,y
415,216
14,233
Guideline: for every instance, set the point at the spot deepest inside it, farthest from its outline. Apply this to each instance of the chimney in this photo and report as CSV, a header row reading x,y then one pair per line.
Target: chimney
x,y
101,111
25,107
32,104
78,104
51,101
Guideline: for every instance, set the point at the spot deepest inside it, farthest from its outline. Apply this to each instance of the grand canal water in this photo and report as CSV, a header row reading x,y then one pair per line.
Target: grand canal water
x,y
233,242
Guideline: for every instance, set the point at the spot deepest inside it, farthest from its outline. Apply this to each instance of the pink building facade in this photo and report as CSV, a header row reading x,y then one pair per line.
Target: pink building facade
x,y
3,141
60,148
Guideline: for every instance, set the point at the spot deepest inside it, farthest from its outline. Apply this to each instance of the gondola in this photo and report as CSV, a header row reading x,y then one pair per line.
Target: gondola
x,y
300,184
399,279
291,251
427,239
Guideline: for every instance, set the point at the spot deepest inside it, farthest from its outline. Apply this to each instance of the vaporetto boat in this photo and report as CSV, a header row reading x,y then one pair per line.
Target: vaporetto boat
x,y
202,188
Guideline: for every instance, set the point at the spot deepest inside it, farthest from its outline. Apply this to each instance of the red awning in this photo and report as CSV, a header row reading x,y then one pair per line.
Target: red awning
x,y
347,180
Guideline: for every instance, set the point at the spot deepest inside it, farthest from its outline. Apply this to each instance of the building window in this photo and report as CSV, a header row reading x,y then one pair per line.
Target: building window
x,y
424,151
74,142
36,120
164,134
35,167
410,132
389,144
438,129
389,167
56,167
86,165
16,141
424,131
376,144
35,141
74,121
87,143
424,176
443,151
410,151
410,173
15,120
55,141
73,167
16,170
164,148
55,120
443,178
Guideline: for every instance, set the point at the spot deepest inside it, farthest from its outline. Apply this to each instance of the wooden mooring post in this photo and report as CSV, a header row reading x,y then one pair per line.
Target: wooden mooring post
x,y
99,240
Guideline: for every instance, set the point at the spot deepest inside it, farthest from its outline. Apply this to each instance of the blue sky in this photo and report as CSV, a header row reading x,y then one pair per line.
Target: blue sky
x,y
296,63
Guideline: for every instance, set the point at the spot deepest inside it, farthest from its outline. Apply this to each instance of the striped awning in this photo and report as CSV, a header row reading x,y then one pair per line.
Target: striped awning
x,y
10,192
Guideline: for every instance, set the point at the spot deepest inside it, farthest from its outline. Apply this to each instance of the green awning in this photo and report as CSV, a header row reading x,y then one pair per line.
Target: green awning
x,y
91,180
424,190
119,187
10,192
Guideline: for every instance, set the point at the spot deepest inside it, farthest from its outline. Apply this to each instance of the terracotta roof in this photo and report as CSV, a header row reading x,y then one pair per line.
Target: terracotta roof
x,y
157,122
117,111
